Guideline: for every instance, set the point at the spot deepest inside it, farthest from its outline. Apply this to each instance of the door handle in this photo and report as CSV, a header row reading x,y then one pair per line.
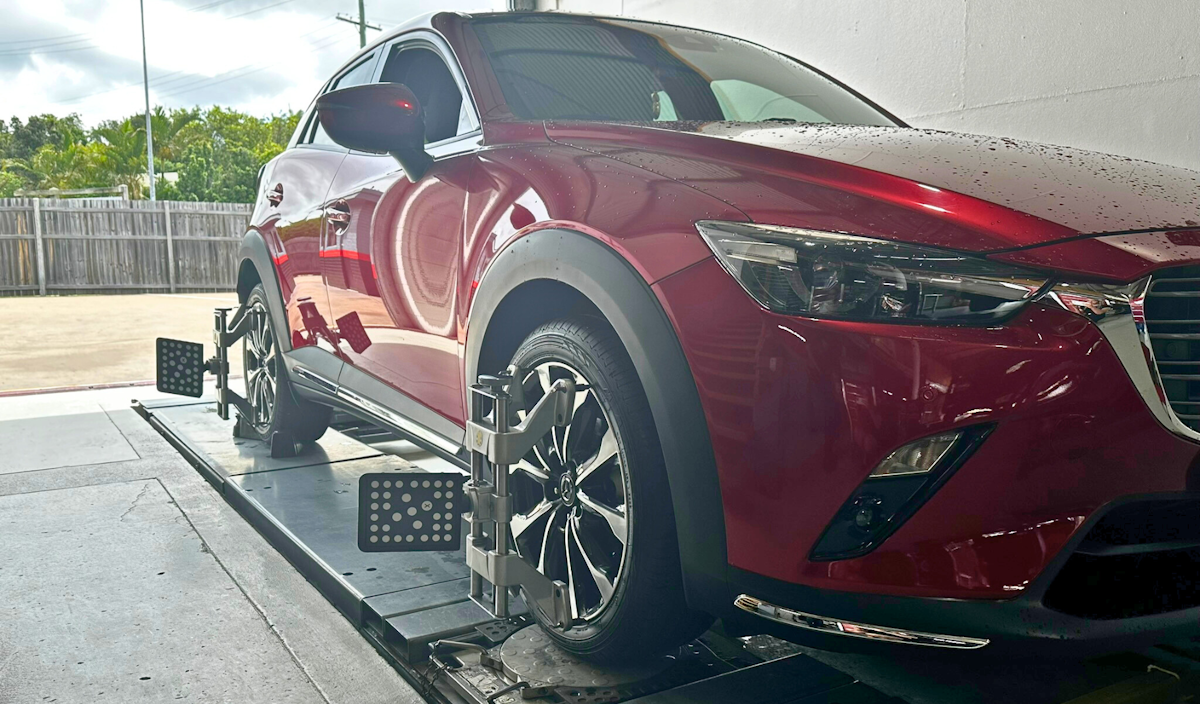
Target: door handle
x,y
338,215
275,195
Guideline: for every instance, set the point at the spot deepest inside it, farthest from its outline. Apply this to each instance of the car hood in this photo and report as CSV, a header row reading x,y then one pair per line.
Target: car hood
x,y
963,191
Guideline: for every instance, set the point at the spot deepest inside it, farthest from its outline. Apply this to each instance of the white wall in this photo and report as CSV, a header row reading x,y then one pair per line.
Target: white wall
x,y
1120,76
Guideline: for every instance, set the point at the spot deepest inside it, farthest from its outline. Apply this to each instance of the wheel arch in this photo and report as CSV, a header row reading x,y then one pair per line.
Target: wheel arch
x,y
526,284
255,266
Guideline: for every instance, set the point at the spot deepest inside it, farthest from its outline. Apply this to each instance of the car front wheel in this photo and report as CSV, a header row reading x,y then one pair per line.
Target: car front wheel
x,y
274,406
592,506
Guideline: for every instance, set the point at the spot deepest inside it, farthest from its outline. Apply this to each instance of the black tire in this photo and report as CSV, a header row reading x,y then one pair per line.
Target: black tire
x,y
276,407
644,614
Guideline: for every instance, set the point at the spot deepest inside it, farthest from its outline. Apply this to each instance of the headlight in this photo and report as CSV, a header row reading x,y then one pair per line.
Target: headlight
x,y
829,275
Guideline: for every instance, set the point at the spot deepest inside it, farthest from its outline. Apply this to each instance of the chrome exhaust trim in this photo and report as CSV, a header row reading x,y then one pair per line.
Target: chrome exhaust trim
x,y
882,634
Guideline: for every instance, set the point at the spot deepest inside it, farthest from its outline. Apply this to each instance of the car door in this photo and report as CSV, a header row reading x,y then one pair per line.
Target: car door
x,y
296,188
398,248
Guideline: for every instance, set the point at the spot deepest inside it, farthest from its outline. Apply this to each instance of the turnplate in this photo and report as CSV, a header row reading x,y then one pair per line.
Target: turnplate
x,y
530,656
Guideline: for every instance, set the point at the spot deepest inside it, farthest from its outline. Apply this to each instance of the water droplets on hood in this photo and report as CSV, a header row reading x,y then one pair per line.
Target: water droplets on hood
x,y
1053,182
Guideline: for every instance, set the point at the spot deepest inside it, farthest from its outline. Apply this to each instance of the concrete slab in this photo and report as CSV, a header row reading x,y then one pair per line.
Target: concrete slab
x,y
34,443
107,593
344,668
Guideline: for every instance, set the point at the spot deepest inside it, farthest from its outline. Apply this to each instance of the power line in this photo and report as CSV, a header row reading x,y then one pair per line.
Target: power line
x,y
226,75
251,12
198,8
39,52
76,99
58,44
45,44
158,81
44,39
216,80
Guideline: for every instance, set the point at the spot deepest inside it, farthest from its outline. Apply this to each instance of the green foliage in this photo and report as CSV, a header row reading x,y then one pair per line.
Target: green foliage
x,y
212,155
9,183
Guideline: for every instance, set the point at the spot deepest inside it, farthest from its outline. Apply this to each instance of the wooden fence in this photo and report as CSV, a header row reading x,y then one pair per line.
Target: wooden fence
x,y
99,245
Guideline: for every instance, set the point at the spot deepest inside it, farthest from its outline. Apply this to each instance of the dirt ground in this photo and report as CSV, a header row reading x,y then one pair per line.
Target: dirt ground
x,y
55,341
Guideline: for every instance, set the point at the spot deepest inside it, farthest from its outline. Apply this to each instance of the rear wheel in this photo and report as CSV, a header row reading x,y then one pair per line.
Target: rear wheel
x,y
591,502
275,407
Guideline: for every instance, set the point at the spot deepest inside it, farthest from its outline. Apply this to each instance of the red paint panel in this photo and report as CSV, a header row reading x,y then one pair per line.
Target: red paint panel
x,y
784,188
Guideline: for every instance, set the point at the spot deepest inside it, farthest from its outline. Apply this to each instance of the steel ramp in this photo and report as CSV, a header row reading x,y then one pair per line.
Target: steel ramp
x,y
307,508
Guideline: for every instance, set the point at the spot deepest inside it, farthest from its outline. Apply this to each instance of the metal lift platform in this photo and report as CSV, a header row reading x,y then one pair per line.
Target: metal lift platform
x,y
414,607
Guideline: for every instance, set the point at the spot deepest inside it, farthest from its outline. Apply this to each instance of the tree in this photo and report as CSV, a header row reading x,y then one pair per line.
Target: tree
x,y
216,152
9,183
25,139
225,150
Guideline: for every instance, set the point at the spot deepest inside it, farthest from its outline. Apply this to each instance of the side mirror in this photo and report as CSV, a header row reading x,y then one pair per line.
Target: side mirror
x,y
381,118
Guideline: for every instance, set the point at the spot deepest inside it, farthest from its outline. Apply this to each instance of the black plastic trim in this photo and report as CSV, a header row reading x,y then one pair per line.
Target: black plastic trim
x,y
254,249
936,479
625,299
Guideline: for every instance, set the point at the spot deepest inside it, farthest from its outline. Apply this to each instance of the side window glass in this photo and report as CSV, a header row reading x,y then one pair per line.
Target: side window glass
x,y
427,76
357,75
301,127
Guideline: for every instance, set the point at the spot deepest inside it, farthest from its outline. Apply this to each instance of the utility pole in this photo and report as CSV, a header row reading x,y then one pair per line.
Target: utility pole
x,y
146,87
362,23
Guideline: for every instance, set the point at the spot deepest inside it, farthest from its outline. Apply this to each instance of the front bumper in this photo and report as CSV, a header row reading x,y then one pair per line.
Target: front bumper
x,y
800,411
1092,620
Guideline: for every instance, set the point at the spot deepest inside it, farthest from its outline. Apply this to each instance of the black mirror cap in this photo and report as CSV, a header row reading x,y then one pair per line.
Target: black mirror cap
x,y
381,118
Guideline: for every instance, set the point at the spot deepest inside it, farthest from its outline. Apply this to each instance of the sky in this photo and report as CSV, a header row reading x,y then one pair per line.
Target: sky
x,y
258,56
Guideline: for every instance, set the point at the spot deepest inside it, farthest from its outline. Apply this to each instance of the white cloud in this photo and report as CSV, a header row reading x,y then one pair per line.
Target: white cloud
x,y
260,56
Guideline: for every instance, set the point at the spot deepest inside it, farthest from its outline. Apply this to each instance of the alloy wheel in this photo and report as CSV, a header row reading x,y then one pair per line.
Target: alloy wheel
x,y
262,368
571,505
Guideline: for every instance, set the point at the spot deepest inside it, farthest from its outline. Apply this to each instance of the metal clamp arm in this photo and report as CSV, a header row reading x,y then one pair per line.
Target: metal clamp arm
x,y
554,409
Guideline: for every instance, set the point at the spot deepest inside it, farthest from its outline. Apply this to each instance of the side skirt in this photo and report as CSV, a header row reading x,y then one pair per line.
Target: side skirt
x,y
363,396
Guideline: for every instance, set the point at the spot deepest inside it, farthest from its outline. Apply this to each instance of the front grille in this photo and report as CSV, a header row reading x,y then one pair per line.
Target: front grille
x,y
1173,321
1141,558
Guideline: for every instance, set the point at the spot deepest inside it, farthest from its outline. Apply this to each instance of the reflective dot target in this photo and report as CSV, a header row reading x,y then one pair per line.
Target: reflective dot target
x,y
422,513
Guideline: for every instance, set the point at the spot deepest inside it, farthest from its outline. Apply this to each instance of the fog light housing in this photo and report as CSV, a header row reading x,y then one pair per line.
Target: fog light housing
x,y
894,491
919,457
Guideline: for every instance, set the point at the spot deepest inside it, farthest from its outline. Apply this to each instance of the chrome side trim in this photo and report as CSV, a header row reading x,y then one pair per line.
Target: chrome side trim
x,y
1119,313
315,378
882,634
395,419
376,410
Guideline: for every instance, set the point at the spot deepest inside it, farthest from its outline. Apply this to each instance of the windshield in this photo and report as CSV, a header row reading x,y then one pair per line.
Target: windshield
x,y
555,67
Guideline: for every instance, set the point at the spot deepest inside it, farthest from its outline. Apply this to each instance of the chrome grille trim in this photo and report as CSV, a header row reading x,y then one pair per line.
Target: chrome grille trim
x,y
1119,311
1171,323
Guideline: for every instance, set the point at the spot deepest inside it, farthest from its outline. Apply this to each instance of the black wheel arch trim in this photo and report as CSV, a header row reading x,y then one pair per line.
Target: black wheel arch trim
x,y
610,283
254,252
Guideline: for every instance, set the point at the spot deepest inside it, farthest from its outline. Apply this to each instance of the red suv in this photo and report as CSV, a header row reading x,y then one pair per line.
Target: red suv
x,y
837,378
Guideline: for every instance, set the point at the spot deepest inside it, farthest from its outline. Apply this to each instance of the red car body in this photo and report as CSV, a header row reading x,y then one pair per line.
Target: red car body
x,y
795,412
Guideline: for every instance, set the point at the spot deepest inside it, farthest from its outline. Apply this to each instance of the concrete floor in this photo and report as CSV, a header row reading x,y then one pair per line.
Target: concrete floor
x,y
124,577
92,340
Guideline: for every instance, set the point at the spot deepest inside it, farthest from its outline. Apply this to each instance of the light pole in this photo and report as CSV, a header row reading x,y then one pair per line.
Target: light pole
x,y
146,87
